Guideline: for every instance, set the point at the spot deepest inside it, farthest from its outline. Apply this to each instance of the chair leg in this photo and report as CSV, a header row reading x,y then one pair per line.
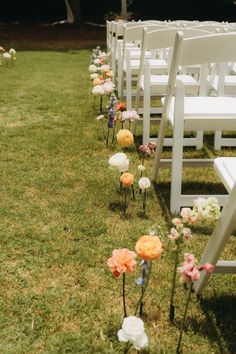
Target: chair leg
x,y
159,146
128,88
177,151
199,136
120,76
217,140
146,112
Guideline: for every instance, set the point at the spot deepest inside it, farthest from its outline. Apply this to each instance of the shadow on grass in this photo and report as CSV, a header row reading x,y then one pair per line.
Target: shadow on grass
x,y
162,191
220,323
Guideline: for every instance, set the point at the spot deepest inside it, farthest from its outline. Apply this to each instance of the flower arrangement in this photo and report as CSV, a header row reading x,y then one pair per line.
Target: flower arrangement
x,y
124,138
190,272
204,210
120,162
144,183
146,150
7,57
133,331
148,248
100,74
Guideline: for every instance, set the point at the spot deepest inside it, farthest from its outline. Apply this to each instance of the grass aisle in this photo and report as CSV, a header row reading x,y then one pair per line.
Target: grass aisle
x,y
61,219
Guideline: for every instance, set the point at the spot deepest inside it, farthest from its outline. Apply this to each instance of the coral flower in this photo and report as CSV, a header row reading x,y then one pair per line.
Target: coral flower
x,y
149,247
121,106
127,179
122,261
124,137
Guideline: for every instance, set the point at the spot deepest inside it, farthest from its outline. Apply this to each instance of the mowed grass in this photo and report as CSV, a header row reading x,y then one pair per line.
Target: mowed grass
x,y
61,218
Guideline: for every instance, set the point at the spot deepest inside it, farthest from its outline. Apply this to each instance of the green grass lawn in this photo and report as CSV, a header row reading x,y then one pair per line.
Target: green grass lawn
x,y
61,218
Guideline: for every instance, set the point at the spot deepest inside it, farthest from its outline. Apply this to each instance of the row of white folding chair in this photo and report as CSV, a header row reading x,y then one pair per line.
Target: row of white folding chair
x,y
150,84
117,36
129,62
130,44
225,168
198,113
128,66
158,84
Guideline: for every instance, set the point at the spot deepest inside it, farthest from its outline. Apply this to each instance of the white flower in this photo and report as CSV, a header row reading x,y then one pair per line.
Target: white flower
x,y
108,87
133,330
105,67
132,115
103,55
93,68
93,76
97,61
144,183
98,90
187,234
6,56
141,168
174,235
100,117
119,162
209,208
12,51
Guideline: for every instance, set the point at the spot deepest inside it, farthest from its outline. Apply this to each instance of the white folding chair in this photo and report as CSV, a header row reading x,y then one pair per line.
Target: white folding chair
x,y
152,83
226,170
117,42
200,113
129,60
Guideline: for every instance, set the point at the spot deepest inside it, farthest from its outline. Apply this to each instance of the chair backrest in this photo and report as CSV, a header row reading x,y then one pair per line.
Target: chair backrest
x,y
211,48
161,39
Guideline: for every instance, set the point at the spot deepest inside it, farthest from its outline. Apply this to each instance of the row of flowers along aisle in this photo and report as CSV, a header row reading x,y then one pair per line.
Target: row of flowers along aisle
x,y
148,247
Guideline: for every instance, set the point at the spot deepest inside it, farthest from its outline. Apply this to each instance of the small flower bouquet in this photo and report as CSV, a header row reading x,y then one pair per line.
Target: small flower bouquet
x,y
190,272
148,248
203,211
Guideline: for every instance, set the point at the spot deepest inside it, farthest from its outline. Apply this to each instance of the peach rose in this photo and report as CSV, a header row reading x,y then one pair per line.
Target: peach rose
x,y
109,73
124,137
122,261
98,81
149,247
127,179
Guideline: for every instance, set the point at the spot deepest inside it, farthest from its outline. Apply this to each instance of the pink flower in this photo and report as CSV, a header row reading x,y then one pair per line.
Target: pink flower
x,y
177,223
189,272
208,267
188,257
185,213
108,87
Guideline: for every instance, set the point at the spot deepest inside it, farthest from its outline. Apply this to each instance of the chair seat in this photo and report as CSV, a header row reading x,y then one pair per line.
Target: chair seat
x,y
206,113
226,170
229,84
158,83
156,64
135,53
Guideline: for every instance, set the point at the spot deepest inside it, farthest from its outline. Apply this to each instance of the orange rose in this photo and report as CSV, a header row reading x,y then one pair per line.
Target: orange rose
x,y
121,106
149,247
124,137
127,179
122,261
